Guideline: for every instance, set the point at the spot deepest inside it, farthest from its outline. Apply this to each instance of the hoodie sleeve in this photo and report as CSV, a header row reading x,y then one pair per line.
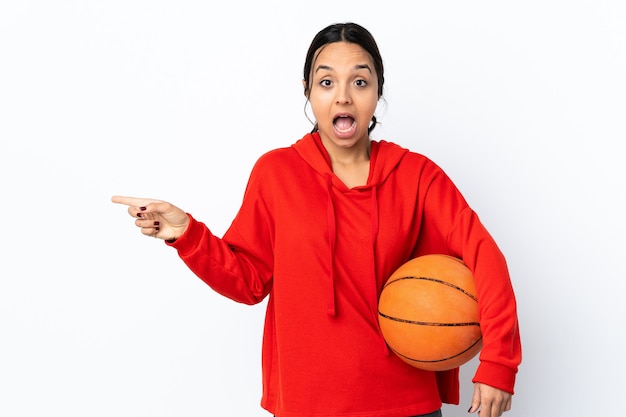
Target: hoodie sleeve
x,y
453,226
239,265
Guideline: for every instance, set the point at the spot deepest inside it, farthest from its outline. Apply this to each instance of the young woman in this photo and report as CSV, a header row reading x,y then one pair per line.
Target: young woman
x,y
324,222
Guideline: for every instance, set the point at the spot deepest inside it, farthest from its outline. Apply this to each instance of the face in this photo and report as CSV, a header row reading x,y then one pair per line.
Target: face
x,y
343,94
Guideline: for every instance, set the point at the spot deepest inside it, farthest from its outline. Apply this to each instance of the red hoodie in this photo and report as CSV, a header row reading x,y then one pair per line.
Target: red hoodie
x,y
323,251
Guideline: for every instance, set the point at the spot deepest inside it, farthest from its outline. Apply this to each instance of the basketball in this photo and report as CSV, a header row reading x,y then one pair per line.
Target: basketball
x,y
428,313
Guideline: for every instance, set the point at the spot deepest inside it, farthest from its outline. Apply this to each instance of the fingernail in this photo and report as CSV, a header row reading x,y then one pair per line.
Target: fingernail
x,y
156,223
469,410
157,229
138,214
142,208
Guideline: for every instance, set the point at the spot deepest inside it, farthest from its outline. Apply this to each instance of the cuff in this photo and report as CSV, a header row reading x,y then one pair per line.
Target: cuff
x,y
495,375
190,239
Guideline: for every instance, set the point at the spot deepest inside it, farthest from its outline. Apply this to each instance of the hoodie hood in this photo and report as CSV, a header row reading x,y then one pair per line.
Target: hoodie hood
x,y
384,158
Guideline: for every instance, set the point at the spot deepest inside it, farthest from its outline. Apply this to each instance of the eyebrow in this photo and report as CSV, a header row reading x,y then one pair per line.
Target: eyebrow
x,y
356,67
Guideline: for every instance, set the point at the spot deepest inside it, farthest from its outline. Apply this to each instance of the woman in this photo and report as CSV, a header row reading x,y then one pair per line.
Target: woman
x,y
323,224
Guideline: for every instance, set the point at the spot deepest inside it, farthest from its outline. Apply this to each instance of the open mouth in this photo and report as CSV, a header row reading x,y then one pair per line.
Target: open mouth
x,y
344,124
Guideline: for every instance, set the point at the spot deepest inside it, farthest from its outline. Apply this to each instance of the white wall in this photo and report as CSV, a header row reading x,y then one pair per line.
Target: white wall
x,y
523,103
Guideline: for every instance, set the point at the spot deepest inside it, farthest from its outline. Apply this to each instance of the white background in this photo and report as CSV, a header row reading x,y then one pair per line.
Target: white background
x,y
522,103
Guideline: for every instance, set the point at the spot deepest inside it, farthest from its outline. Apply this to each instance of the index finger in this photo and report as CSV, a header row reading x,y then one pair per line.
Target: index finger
x,y
132,201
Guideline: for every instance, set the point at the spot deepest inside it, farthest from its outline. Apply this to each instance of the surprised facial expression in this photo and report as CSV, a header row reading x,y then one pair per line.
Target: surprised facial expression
x,y
344,93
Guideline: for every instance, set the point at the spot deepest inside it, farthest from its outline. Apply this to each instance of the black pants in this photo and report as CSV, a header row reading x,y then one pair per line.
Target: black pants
x,y
433,414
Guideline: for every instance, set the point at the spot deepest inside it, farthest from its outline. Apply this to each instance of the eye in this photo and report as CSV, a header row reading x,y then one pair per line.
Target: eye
x,y
326,83
360,83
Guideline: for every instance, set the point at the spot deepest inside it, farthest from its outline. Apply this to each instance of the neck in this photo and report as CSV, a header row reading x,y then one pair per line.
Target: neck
x,y
359,152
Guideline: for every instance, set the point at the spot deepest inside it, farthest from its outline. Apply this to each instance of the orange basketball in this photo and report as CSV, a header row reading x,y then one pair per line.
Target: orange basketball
x,y
428,313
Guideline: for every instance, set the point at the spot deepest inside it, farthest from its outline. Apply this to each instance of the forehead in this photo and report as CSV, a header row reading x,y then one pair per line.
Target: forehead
x,y
338,54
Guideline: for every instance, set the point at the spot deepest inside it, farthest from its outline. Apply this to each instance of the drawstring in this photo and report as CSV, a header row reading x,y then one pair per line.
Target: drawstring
x,y
332,235
374,222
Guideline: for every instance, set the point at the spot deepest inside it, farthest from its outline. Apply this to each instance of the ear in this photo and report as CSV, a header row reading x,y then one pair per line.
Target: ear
x,y
306,93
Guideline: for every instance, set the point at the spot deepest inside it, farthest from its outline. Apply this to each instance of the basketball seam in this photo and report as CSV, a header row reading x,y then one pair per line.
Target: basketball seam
x,y
437,360
439,281
427,323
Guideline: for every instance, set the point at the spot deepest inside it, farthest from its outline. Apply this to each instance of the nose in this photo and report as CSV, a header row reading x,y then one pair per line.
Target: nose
x,y
343,94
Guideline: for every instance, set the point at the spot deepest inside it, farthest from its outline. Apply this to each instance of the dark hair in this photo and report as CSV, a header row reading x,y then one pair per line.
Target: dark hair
x,y
345,32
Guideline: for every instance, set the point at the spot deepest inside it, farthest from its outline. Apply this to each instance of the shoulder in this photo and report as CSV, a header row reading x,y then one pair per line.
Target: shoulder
x,y
409,159
275,158
274,166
